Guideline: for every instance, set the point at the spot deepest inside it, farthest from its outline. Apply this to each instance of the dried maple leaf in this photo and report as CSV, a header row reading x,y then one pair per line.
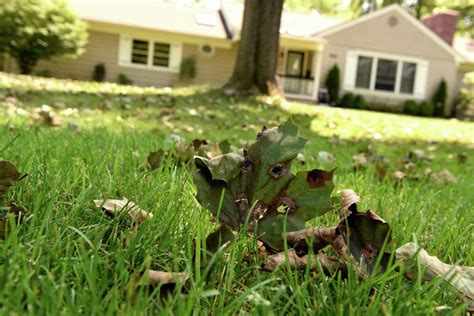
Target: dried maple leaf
x,y
257,185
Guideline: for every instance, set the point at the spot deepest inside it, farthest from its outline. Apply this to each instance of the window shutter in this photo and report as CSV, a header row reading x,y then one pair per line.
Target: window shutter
x,y
421,77
176,56
350,70
125,50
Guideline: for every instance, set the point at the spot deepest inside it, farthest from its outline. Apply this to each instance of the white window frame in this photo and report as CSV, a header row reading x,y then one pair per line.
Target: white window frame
x,y
151,45
398,76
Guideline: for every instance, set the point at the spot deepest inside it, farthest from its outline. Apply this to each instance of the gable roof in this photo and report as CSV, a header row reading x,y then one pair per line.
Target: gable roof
x,y
293,24
409,18
198,20
153,14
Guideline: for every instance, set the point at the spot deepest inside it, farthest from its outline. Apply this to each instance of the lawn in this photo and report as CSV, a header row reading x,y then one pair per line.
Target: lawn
x,y
67,257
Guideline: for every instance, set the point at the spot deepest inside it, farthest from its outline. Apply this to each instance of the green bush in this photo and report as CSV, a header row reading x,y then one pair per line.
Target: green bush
x,y
187,69
426,109
333,84
347,101
44,73
123,79
411,107
98,74
359,102
31,30
439,98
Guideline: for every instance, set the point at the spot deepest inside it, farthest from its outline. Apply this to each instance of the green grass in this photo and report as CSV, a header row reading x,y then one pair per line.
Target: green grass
x,y
68,257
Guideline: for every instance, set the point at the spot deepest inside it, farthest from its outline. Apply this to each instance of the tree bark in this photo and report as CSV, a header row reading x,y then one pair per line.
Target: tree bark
x,y
258,50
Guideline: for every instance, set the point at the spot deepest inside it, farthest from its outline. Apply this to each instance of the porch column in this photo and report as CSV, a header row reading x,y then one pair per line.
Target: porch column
x,y
317,59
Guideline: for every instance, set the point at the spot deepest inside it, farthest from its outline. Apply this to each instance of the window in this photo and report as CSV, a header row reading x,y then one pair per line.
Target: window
x,y
147,53
206,50
161,54
364,67
294,64
386,75
140,52
374,73
408,77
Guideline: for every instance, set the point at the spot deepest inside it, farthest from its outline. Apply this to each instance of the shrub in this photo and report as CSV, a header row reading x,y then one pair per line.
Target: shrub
x,y
347,101
123,79
359,102
31,30
44,73
333,84
187,69
439,98
426,109
411,107
99,73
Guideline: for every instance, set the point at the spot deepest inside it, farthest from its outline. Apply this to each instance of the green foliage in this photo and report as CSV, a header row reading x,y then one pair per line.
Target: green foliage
x,y
187,69
44,73
333,84
98,75
411,107
347,100
423,108
439,98
124,79
426,109
359,102
31,30
257,185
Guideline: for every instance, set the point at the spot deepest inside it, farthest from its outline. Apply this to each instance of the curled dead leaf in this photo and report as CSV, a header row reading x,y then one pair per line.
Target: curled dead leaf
x,y
349,200
114,207
153,277
317,238
328,263
460,278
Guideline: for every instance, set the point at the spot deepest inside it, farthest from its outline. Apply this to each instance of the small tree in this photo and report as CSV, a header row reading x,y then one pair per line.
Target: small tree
x,y
187,69
439,98
333,84
31,30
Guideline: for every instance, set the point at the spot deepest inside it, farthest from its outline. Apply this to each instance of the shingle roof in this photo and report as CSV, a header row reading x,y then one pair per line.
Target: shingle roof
x,y
292,24
192,19
153,14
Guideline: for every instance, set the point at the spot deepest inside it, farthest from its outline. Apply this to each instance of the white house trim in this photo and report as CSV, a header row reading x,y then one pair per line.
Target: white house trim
x,y
419,85
125,54
394,8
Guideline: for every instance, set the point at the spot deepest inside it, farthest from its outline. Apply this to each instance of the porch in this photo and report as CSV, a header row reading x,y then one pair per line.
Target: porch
x,y
298,73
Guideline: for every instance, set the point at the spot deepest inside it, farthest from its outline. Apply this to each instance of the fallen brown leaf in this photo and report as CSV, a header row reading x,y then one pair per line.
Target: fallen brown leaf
x,y
8,175
153,277
113,207
460,278
348,199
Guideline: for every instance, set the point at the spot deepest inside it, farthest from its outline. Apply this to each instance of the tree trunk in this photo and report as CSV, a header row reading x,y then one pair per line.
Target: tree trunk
x,y
258,50
26,63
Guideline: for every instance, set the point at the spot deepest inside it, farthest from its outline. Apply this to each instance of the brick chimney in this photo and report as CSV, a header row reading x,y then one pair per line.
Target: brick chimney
x,y
443,24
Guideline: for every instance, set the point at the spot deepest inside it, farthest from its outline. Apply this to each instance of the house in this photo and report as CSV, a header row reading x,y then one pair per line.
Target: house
x,y
386,56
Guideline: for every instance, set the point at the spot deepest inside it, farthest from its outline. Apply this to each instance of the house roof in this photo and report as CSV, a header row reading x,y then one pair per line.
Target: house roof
x,y
393,8
296,25
193,19
153,14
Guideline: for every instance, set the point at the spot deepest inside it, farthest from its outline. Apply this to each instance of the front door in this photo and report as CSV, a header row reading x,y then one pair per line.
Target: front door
x,y
294,64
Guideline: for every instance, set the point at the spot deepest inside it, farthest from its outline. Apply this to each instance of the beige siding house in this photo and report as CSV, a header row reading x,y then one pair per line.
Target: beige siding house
x,y
387,56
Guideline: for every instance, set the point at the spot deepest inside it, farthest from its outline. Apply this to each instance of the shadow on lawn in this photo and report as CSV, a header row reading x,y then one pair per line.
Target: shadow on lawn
x,y
206,112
